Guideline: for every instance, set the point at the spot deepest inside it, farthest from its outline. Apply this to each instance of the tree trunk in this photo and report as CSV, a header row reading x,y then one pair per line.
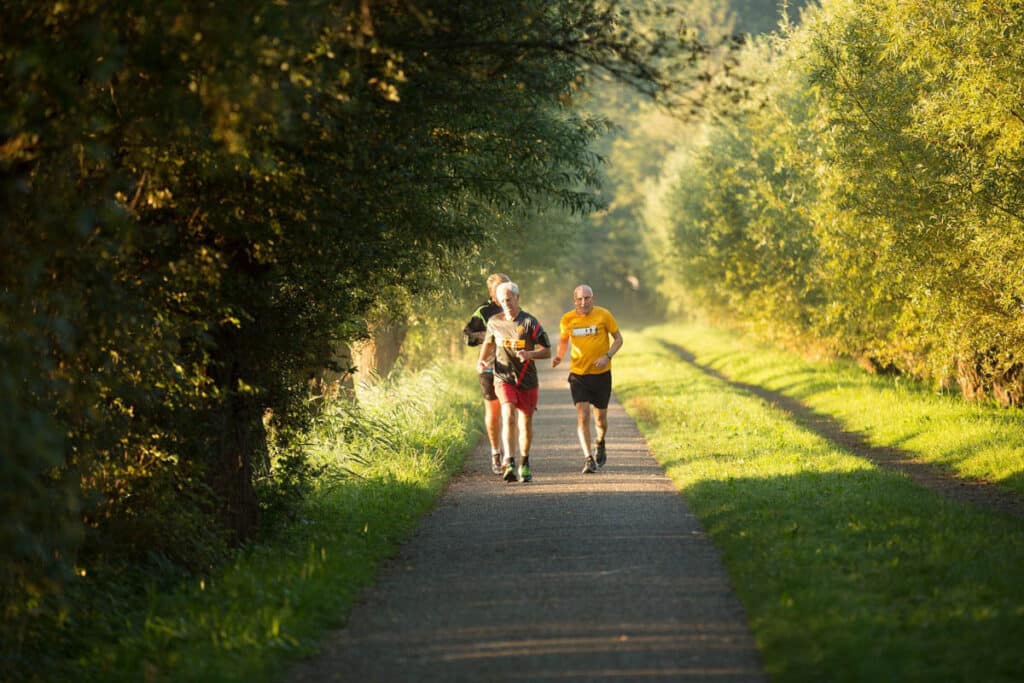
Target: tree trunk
x,y
376,356
980,376
242,440
238,441
338,381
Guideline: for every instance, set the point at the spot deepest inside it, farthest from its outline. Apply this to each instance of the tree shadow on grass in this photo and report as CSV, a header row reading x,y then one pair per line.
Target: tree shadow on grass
x,y
845,584
974,491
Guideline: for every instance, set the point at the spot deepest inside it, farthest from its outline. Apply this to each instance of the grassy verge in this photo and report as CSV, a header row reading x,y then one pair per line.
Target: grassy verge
x,y
274,602
848,572
977,440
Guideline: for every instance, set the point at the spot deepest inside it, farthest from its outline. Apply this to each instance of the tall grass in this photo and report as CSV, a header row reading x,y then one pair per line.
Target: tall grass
x,y
384,464
848,572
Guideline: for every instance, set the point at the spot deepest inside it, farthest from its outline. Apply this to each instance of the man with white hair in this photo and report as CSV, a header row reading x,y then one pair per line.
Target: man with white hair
x,y
516,339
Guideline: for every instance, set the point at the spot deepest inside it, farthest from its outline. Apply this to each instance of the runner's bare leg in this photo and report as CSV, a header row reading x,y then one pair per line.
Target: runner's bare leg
x,y
509,431
583,426
525,433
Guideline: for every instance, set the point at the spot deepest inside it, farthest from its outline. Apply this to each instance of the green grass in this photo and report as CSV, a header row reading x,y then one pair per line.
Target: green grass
x,y
248,620
977,440
848,572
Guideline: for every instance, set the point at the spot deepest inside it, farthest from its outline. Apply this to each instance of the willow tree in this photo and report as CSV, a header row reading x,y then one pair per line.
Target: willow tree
x,y
926,145
886,160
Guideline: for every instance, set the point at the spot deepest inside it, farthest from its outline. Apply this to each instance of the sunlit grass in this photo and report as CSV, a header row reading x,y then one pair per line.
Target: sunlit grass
x,y
977,440
246,621
847,572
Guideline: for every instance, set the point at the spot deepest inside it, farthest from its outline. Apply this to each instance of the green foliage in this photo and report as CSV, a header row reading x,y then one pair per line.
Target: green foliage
x,y
609,253
376,468
729,218
920,166
629,267
285,488
744,244
868,202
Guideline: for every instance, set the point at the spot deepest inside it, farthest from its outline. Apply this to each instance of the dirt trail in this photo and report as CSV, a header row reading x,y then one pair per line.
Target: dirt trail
x,y
571,577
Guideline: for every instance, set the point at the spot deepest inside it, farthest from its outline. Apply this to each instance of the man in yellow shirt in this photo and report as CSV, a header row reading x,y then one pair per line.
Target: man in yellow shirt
x,y
589,328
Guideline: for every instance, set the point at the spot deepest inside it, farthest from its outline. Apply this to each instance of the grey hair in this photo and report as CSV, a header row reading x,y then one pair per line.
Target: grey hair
x,y
510,286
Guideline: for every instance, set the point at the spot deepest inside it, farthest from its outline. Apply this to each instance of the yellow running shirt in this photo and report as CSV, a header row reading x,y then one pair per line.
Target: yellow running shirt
x,y
590,336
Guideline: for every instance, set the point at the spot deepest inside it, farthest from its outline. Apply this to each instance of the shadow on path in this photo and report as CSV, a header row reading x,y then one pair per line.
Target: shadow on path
x,y
977,492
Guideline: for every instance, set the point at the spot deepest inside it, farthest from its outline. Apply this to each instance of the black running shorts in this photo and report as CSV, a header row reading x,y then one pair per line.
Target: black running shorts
x,y
593,389
487,386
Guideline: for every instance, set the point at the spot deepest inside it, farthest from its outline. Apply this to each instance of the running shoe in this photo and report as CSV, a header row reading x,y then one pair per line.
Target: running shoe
x,y
496,464
524,472
510,471
589,467
602,455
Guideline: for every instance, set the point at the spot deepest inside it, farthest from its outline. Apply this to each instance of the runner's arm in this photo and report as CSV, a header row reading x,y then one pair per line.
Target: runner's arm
x,y
616,344
604,360
563,346
485,352
538,353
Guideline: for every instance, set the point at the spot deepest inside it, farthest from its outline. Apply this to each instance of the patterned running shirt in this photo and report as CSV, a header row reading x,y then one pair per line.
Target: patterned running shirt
x,y
510,336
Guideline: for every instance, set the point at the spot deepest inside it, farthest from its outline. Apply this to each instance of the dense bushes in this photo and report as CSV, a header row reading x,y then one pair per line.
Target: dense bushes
x,y
871,196
377,465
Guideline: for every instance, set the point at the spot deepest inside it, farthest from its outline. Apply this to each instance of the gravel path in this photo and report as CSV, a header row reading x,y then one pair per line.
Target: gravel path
x,y
571,577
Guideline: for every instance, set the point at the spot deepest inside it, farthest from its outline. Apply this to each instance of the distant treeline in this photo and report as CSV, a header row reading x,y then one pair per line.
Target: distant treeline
x,y
869,194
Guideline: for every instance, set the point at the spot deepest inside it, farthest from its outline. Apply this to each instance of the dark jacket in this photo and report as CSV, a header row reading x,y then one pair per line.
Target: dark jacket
x,y
476,329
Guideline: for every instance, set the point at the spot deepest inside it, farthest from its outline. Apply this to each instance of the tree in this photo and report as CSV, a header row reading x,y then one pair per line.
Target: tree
x,y
205,202
872,201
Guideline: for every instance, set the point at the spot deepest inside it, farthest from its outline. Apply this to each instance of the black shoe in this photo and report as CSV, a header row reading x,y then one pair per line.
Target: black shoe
x,y
602,455
496,464
510,471
589,467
